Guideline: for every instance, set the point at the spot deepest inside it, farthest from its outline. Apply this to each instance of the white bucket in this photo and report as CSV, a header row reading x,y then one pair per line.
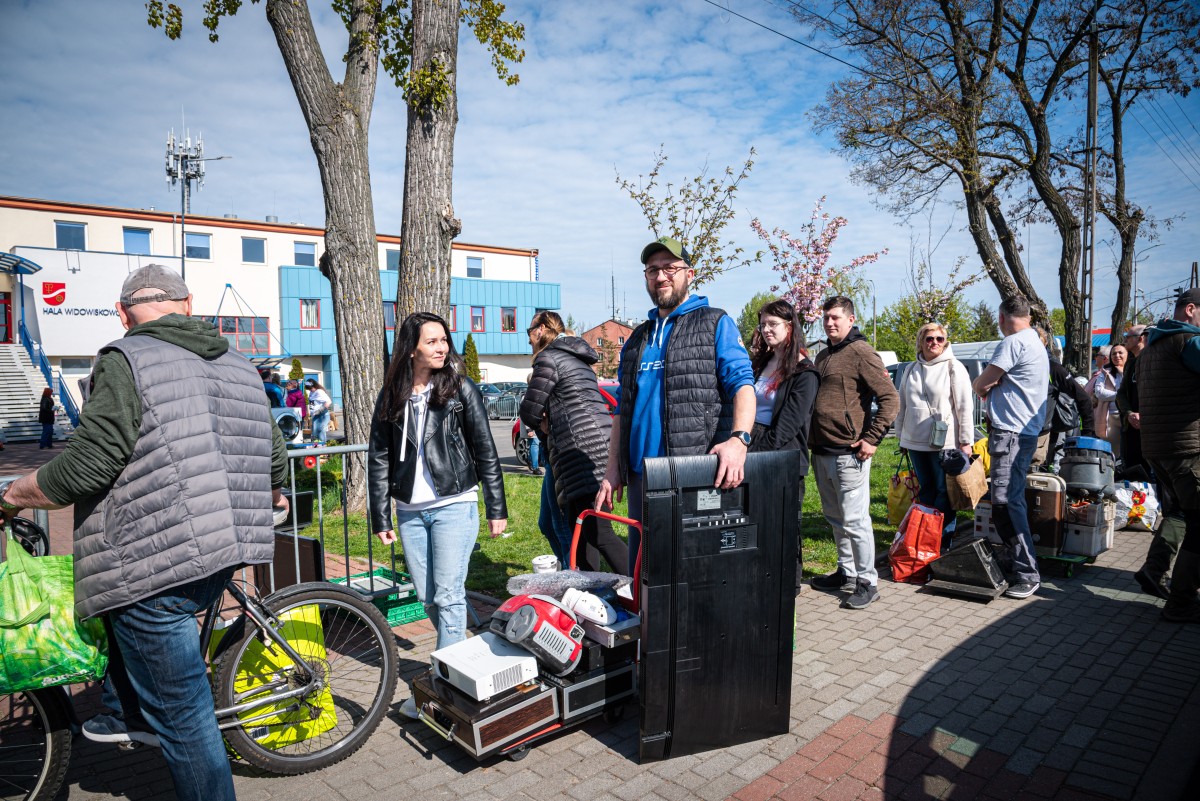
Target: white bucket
x,y
547,563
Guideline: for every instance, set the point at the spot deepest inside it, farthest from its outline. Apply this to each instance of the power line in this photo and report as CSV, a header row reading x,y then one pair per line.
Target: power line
x,y
1178,139
1165,153
1183,111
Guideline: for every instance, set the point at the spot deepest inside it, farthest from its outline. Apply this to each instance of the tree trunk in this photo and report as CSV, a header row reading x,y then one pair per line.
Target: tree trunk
x,y
338,118
1012,256
977,225
429,226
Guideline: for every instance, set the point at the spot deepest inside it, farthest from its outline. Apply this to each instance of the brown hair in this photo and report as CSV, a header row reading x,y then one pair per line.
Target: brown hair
x,y
839,302
552,326
793,349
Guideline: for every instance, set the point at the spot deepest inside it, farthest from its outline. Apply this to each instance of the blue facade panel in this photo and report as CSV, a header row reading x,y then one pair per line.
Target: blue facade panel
x,y
306,283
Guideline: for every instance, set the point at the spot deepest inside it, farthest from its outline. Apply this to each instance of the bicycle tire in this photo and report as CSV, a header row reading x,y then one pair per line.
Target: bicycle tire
x,y
356,651
35,744
31,536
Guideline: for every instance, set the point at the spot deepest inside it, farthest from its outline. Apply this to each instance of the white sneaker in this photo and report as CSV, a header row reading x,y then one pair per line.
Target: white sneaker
x,y
111,729
409,708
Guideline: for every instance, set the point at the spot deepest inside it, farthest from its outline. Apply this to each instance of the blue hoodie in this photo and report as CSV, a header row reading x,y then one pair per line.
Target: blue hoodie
x,y
1191,351
647,436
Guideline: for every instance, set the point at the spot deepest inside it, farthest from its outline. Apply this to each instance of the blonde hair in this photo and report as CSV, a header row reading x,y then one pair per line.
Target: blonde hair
x,y
552,327
926,329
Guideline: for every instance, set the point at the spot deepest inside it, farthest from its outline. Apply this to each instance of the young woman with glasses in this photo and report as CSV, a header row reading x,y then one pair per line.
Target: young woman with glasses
x,y
935,415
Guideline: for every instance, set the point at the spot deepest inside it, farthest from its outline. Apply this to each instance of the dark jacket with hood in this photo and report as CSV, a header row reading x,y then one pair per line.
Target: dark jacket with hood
x,y
564,389
1063,383
852,375
792,415
459,451
1168,386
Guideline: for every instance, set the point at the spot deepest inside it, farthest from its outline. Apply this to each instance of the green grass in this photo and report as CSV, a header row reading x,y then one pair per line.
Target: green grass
x,y
504,557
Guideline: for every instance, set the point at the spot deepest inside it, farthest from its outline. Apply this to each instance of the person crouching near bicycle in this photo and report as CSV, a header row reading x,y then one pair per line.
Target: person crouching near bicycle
x,y
431,448
167,505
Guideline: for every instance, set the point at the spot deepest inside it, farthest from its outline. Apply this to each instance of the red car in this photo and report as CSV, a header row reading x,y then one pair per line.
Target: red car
x,y
608,391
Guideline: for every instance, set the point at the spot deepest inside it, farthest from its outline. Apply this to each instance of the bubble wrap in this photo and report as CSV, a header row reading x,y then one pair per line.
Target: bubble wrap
x,y
557,583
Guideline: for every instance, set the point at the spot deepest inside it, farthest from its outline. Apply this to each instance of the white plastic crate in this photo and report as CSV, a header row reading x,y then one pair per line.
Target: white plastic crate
x,y
1088,540
1091,514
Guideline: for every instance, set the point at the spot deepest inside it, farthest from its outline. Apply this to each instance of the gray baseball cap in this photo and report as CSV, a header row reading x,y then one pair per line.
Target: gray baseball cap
x,y
153,276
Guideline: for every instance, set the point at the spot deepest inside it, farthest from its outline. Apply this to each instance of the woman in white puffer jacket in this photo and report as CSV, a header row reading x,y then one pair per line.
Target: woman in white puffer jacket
x,y
934,418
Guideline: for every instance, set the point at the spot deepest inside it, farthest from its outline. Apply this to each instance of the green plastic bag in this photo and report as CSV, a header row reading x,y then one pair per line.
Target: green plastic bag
x,y
42,644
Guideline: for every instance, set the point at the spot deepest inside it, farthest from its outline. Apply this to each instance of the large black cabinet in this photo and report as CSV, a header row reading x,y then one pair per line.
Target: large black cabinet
x,y
718,601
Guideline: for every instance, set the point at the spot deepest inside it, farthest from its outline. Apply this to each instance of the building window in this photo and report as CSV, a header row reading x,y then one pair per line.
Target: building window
x,y
246,334
393,260
306,254
254,251
69,236
477,322
620,340
452,320
599,341
198,246
389,315
137,241
310,313
474,267
508,319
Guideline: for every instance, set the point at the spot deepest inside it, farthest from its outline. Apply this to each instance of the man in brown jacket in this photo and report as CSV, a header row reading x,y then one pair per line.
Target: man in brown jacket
x,y
844,437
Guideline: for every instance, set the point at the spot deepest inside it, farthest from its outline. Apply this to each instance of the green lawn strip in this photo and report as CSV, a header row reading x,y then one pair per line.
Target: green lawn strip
x,y
504,557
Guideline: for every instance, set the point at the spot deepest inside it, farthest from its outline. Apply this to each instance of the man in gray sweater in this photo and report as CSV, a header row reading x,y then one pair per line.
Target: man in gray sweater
x,y
172,470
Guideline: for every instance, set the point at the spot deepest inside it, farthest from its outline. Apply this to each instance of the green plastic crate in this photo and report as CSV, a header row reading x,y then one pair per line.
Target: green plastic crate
x,y
400,607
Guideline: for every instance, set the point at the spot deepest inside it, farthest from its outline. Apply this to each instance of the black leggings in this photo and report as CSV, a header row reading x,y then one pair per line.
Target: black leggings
x,y
596,539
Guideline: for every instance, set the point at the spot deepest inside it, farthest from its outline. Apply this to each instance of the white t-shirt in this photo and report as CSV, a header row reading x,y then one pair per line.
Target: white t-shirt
x,y
424,495
318,401
1018,402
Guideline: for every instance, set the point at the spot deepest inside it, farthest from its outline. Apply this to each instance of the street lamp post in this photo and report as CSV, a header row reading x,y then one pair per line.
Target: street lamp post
x,y
874,320
185,163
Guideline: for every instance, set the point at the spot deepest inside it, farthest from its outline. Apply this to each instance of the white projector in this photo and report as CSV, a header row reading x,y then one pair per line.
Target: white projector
x,y
484,666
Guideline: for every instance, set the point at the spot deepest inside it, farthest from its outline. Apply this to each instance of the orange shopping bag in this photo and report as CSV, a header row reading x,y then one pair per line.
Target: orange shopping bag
x,y
917,543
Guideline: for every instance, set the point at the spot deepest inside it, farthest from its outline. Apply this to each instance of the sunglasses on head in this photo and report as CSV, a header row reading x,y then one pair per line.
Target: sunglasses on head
x,y
935,339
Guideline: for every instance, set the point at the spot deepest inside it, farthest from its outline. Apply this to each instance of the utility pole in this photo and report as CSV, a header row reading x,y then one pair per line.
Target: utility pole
x,y
1088,234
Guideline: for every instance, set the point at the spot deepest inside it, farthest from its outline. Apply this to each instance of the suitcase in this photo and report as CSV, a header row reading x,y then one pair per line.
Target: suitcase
x,y
484,728
1046,497
585,694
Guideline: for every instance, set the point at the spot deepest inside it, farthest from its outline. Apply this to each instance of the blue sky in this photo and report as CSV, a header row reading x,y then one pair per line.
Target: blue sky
x,y
89,92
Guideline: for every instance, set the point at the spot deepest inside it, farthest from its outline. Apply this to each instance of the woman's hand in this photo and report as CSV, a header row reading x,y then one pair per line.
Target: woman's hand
x,y
967,450
496,527
386,537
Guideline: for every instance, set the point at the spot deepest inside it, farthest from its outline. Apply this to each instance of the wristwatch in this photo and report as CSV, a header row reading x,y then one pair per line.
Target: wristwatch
x,y
5,505
744,436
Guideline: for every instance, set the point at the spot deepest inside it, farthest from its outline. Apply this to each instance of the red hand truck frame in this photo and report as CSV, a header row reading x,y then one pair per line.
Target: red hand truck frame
x,y
634,605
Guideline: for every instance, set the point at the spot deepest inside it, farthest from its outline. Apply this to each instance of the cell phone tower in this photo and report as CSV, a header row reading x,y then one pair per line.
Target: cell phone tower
x,y
185,163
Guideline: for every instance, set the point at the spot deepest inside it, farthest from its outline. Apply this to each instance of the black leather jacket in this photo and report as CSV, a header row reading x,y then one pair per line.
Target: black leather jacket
x,y
458,449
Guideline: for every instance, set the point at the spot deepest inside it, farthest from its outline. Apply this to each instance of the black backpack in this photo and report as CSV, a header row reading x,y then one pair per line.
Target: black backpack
x,y
1064,414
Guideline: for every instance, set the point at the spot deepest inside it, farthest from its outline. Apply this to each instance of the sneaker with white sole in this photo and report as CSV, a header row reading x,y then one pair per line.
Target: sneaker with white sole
x,y
837,581
111,729
409,708
1022,589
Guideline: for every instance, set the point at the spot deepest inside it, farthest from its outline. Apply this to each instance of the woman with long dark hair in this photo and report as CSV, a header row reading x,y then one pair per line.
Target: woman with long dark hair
x,y
1104,388
785,388
564,397
430,449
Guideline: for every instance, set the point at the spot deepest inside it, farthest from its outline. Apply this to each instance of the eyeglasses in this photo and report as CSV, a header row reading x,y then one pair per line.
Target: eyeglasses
x,y
930,340
772,326
669,272
531,329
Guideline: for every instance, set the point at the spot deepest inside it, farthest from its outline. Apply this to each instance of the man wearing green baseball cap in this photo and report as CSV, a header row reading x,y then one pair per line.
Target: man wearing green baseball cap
x,y
696,347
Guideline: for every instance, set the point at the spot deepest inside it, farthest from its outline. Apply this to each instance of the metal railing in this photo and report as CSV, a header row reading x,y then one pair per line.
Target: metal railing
x,y
38,357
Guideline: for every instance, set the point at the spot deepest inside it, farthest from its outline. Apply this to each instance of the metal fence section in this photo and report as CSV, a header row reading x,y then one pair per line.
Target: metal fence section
x,y
505,406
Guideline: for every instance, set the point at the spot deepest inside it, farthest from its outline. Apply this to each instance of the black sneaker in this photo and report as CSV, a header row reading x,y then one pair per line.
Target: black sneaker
x,y
865,594
837,581
1159,589
1022,589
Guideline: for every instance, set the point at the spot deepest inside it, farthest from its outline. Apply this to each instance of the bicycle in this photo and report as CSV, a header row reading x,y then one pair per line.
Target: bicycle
x,y
300,680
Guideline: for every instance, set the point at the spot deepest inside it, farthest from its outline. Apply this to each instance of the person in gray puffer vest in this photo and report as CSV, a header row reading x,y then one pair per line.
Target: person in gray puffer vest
x,y
565,394
173,470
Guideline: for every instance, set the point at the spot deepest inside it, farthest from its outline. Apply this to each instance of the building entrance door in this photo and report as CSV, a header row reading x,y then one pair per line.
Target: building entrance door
x,y
6,328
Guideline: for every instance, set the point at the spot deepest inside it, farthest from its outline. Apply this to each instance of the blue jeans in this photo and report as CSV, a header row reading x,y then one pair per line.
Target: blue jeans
x,y
320,425
928,467
158,670
553,523
1012,455
535,453
437,549
47,440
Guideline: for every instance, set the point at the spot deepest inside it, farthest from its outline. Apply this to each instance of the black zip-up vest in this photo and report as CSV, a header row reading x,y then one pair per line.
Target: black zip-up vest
x,y
697,414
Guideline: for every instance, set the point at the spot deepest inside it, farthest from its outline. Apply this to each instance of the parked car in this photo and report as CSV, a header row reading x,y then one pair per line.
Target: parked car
x,y
609,390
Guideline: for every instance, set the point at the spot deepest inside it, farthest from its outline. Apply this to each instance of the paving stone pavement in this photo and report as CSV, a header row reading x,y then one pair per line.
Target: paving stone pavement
x,y
1079,692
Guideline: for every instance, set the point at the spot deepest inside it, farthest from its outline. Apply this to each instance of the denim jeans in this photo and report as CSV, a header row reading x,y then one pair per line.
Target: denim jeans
x,y
552,522
928,467
437,549
1011,455
158,670
47,440
535,453
320,425
844,483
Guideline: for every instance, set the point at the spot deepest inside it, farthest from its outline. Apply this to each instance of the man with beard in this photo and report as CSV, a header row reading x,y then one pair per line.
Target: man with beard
x,y
845,435
687,358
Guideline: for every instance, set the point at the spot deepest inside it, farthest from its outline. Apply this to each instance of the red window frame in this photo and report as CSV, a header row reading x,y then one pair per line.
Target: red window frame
x,y
391,303
503,319
482,320
244,329
304,327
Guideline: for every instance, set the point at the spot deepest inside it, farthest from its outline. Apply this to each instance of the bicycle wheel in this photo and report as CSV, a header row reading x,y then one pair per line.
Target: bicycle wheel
x,y
348,642
35,744
31,536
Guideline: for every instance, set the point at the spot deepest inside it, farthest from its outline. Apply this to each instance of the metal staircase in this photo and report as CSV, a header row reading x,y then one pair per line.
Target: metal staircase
x,y
21,387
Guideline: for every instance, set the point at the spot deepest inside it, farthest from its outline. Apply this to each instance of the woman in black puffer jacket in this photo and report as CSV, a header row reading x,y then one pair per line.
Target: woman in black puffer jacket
x,y
564,397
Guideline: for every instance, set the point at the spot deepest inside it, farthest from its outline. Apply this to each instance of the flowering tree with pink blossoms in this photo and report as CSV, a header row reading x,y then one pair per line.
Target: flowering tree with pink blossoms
x,y
806,277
